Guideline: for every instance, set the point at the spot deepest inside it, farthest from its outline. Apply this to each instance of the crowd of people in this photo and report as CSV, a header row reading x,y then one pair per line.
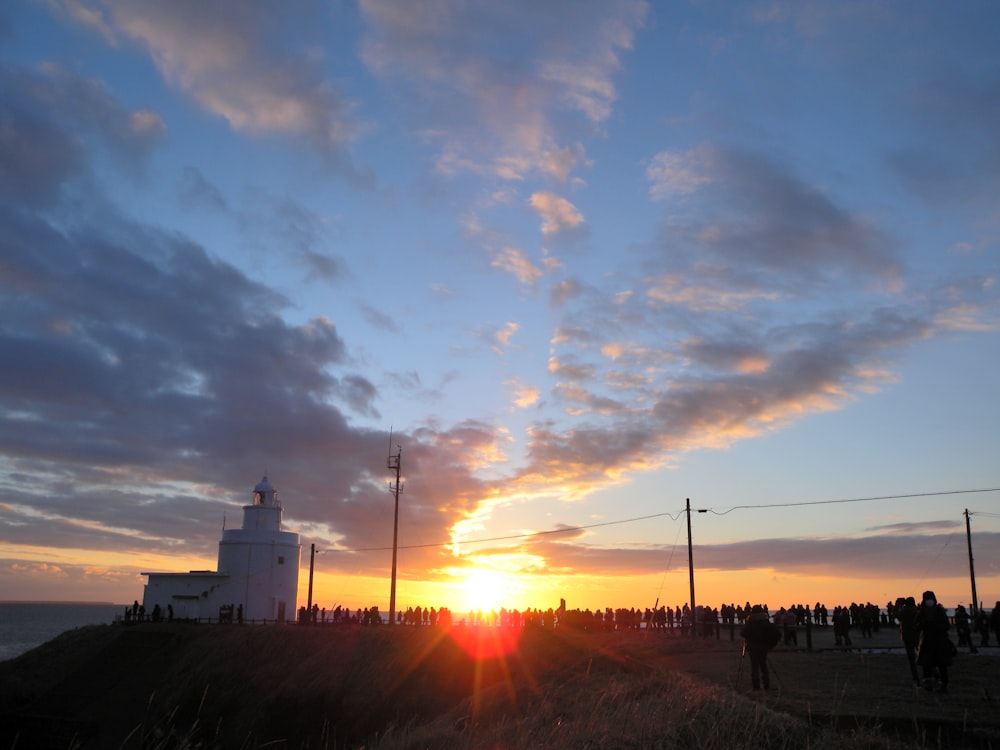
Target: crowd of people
x,y
860,620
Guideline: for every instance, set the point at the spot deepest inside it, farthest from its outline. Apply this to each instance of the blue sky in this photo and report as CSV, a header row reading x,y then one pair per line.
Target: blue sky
x,y
585,259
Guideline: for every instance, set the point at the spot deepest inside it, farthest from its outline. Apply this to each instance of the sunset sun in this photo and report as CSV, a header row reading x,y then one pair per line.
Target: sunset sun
x,y
486,589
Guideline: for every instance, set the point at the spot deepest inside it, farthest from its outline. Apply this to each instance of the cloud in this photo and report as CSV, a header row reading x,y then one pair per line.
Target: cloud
x,y
379,319
197,192
942,113
734,356
558,215
713,294
238,62
565,549
762,218
52,118
580,401
134,375
564,291
286,226
523,395
570,370
442,291
516,262
90,18
909,527
323,266
512,78
503,336
560,162
725,389
670,173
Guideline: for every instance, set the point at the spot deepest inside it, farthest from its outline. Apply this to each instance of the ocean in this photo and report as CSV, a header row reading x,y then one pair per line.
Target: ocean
x,y
25,625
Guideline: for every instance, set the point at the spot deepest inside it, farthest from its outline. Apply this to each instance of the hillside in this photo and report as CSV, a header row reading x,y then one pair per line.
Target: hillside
x,y
216,686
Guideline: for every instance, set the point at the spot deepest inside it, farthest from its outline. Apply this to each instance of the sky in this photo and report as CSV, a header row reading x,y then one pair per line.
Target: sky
x,y
573,262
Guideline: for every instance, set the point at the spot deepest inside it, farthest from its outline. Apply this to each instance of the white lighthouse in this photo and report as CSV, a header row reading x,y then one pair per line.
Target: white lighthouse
x,y
261,560
258,570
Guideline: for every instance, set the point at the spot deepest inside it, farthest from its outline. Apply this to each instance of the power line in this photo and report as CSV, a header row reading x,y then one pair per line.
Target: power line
x,y
565,530
850,500
673,517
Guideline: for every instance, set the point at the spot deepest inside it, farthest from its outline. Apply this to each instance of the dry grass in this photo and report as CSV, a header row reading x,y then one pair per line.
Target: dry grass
x,y
394,689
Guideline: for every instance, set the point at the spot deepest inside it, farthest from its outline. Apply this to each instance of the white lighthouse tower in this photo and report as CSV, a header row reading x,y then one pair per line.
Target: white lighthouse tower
x,y
261,560
257,576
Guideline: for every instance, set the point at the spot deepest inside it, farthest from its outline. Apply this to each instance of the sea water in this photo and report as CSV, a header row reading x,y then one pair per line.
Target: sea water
x,y
25,625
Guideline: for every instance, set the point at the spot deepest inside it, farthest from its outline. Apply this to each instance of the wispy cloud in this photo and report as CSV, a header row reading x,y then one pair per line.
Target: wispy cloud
x,y
671,173
516,262
505,110
237,63
558,215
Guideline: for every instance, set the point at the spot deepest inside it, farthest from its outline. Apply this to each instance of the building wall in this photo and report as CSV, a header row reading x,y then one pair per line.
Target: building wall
x,y
263,575
193,595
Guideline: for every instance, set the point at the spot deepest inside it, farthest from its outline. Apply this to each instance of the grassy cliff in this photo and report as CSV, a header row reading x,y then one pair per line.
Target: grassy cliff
x,y
165,686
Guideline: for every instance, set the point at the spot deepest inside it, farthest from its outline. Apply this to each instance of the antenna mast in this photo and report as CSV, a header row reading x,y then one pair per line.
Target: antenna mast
x,y
394,463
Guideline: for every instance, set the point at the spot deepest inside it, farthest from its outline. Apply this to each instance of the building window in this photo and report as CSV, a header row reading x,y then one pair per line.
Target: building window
x,y
281,559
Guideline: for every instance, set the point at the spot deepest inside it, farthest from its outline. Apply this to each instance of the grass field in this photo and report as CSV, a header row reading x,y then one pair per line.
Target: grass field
x,y
166,686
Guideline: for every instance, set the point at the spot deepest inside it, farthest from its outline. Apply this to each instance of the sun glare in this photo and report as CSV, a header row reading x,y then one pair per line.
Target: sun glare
x,y
485,590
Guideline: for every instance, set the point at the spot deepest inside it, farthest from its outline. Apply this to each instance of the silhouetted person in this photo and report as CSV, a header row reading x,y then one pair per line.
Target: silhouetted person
x,y
170,613
962,626
788,625
995,621
865,620
982,626
761,636
906,614
841,626
934,651
239,614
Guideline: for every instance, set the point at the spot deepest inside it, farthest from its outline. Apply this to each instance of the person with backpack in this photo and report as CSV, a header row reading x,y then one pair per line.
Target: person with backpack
x,y
761,636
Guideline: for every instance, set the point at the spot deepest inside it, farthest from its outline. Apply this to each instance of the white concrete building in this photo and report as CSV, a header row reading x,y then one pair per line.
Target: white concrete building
x,y
258,571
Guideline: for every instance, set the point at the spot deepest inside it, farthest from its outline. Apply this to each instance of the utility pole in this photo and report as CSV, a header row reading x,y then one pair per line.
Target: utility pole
x,y
972,570
394,462
694,623
312,561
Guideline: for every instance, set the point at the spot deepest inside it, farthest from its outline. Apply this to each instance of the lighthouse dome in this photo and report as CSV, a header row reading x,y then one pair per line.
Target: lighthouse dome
x,y
265,494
